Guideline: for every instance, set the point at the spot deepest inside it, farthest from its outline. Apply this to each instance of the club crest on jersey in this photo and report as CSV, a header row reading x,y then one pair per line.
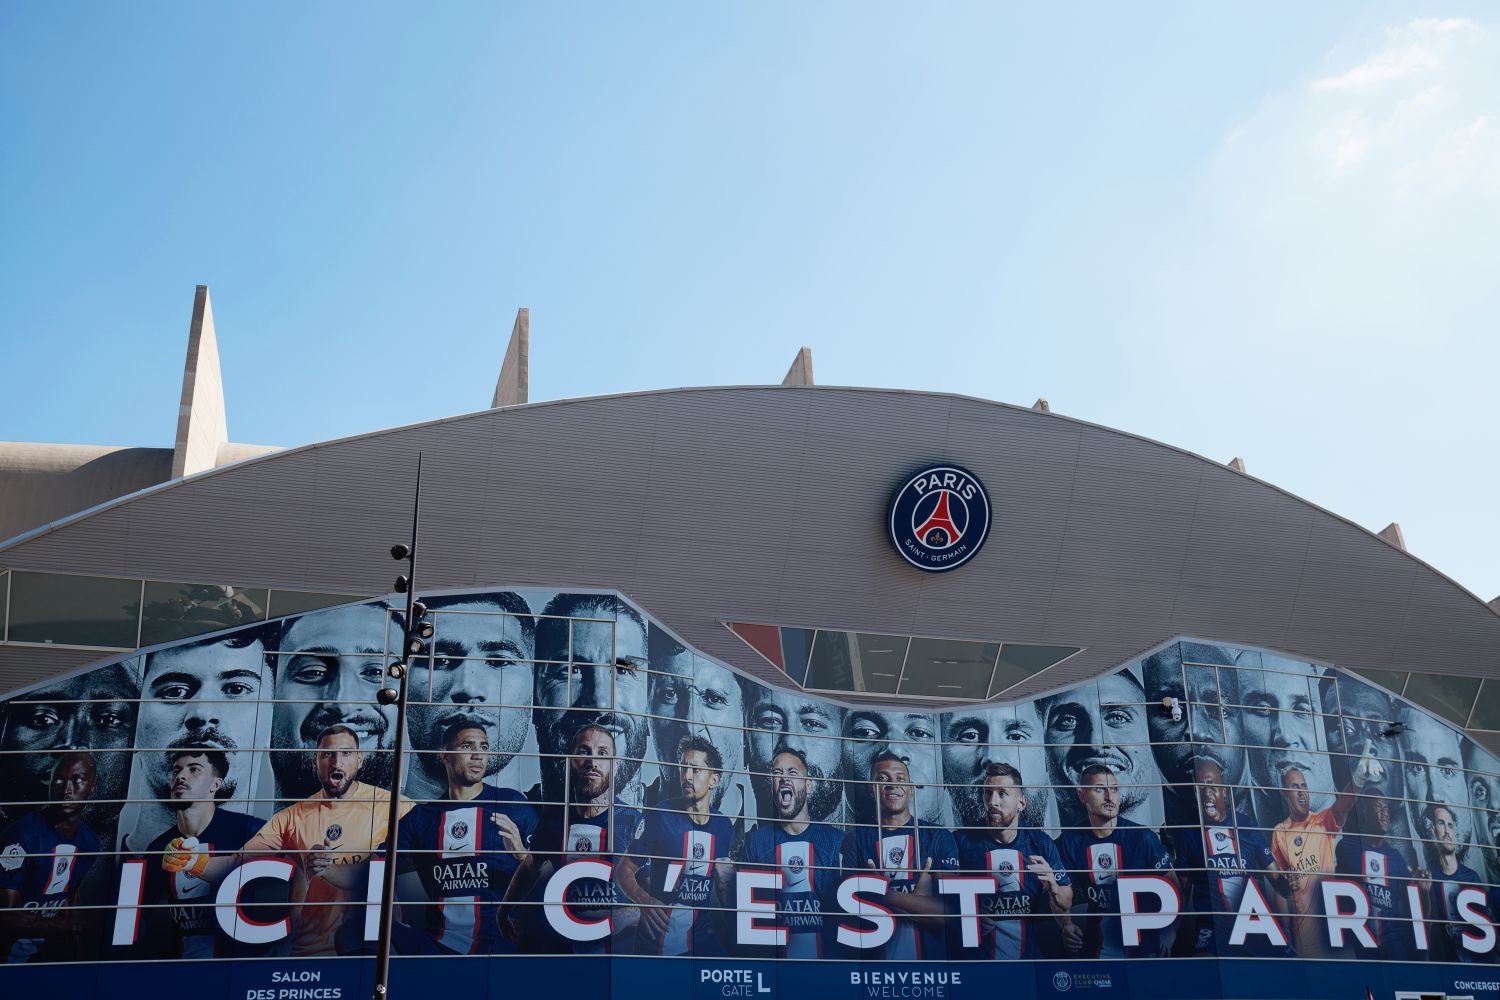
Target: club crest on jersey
x,y
62,865
582,845
334,832
796,864
458,830
1297,841
939,517
697,852
896,855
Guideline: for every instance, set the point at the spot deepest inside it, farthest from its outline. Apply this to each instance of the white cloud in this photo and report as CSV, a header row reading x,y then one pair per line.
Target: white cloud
x,y
1338,267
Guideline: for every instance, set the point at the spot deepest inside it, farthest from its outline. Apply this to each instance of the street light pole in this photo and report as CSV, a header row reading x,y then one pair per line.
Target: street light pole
x,y
415,630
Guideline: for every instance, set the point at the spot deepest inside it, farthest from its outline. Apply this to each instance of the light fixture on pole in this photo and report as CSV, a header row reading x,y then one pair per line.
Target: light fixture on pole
x,y
415,631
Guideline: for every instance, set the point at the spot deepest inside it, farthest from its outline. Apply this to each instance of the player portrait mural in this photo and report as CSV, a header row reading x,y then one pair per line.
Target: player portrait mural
x,y
583,782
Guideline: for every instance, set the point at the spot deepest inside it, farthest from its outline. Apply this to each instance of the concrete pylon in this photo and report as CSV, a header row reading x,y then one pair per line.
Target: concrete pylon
x,y
201,426
1042,405
515,371
801,372
1392,533
1237,464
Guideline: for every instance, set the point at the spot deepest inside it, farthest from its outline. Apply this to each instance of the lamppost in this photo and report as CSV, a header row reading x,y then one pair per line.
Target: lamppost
x,y
416,630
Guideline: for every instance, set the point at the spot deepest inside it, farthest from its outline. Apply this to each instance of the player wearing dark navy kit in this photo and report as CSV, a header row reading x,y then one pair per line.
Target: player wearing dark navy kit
x,y
1029,876
675,871
456,857
906,854
43,859
1446,926
1371,860
178,890
1097,856
1221,860
805,854
594,825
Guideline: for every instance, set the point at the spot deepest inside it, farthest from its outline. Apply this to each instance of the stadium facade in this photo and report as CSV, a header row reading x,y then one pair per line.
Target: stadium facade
x,y
766,691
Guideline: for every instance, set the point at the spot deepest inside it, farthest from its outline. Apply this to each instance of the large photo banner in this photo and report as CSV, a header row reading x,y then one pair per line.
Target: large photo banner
x,y
582,782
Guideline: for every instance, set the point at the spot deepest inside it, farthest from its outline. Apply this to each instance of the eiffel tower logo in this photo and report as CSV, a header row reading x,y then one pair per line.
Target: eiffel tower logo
x,y
938,530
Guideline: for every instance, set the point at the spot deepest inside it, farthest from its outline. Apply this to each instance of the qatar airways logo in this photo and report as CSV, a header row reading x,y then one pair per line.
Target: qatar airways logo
x,y
939,517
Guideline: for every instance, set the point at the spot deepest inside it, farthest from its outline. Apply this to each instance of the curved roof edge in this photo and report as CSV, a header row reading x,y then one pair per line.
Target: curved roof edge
x,y
64,522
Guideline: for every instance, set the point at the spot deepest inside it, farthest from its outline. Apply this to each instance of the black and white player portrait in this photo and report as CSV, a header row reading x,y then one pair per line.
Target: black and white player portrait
x,y
1207,724
1103,723
973,739
479,673
694,696
1283,729
328,669
1432,756
95,711
777,719
910,736
591,671
1482,771
206,693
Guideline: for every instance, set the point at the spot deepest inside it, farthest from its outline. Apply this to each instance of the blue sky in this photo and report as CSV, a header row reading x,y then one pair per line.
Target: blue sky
x,y
1266,231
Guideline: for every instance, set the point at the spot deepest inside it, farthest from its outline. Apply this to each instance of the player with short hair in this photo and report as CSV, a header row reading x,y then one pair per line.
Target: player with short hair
x,y
456,856
906,853
329,836
1220,858
178,883
44,857
804,853
681,850
1097,856
584,829
1380,868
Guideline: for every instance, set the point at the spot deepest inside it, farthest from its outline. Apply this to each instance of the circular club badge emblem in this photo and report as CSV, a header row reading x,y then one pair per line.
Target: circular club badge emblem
x,y
939,518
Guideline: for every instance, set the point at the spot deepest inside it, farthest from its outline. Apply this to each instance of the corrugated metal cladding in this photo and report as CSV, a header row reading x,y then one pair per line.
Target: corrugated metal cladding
x,y
765,504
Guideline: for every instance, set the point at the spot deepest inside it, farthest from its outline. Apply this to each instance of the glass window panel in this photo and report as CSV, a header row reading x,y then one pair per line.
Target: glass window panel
x,y
878,659
1487,707
296,602
1450,697
949,668
831,667
179,610
1392,680
74,610
796,645
1018,662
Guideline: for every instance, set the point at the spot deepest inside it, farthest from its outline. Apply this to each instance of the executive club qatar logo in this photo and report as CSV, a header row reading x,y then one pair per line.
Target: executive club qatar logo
x,y
939,518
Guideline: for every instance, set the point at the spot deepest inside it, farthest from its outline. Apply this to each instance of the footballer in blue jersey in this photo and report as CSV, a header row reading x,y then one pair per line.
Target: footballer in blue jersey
x,y
44,857
455,858
806,856
1029,880
593,826
1097,856
1219,862
178,889
674,871
1381,870
906,855
1446,926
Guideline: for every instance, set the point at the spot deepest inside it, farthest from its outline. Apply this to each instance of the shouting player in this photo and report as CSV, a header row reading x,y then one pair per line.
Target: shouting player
x,y
456,856
805,854
681,850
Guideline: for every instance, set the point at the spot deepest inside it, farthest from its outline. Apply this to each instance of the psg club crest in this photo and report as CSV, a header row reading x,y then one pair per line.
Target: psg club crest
x,y
458,830
939,518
